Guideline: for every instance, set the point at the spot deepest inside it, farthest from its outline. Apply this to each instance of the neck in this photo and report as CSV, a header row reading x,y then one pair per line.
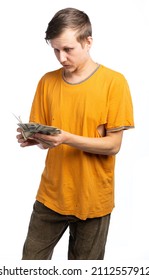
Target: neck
x,y
81,73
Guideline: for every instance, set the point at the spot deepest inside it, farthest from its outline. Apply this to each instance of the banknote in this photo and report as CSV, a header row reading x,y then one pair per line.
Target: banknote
x,y
28,129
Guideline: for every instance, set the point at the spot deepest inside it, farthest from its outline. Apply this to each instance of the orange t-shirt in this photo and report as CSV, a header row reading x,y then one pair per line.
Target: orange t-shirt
x,y
74,182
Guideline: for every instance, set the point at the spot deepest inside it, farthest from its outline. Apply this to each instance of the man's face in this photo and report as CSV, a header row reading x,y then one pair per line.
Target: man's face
x,y
69,52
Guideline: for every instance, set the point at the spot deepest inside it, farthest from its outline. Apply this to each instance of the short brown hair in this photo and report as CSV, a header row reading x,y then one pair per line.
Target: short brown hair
x,y
69,18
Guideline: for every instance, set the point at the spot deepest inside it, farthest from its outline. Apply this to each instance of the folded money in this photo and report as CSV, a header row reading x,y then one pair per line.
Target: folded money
x,y
28,129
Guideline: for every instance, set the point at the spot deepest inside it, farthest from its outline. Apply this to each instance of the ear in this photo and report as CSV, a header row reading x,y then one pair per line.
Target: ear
x,y
89,42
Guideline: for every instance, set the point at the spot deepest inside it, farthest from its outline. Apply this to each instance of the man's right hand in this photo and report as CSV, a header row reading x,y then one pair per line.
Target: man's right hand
x,y
23,142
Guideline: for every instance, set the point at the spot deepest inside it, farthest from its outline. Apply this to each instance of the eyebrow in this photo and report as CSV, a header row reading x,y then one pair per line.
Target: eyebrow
x,y
64,47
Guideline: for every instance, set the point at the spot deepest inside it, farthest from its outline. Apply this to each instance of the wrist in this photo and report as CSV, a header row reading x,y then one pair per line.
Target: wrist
x,y
67,138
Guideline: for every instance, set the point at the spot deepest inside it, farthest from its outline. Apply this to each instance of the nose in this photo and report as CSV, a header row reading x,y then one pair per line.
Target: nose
x,y
62,57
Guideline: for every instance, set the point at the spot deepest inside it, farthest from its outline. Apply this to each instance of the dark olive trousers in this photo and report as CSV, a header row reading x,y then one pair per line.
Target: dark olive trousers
x,y
87,238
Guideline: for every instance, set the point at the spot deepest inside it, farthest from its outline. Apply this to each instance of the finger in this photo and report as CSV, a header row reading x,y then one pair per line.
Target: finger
x,y
19,129
42,141
24,144
19,136
28,142
21,140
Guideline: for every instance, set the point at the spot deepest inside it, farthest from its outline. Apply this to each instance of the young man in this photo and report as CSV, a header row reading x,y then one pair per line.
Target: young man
x,y
92,106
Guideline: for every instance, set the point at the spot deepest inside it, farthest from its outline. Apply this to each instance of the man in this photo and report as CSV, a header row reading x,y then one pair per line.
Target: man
x,y
92,106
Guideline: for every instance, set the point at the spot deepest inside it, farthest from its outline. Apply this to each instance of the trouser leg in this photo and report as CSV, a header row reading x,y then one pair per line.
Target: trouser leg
x,y
88,239
45,229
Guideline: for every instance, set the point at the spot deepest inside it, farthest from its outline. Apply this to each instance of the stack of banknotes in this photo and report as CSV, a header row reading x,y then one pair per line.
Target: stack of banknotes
x,y
28,129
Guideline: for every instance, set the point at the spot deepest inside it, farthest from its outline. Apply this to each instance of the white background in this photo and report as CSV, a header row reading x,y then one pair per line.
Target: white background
x,y
120,31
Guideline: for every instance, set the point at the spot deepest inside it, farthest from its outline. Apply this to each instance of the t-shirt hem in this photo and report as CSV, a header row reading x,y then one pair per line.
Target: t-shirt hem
x,y
114,129
81,216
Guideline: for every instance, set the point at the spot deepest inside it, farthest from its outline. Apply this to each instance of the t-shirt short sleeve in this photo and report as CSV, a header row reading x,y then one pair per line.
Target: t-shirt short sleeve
x,y
120,108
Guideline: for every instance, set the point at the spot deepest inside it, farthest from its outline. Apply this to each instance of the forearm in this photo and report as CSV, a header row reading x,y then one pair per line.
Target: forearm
x,y
107,145
103,145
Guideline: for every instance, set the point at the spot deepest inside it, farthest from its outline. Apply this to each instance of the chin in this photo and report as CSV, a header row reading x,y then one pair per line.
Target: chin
x,y
69,69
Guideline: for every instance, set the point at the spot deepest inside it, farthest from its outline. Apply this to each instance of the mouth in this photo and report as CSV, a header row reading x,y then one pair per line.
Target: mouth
x,y
66,65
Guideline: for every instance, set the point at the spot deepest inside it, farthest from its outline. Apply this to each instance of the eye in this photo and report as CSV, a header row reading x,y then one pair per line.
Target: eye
x,y
56,50
67,50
